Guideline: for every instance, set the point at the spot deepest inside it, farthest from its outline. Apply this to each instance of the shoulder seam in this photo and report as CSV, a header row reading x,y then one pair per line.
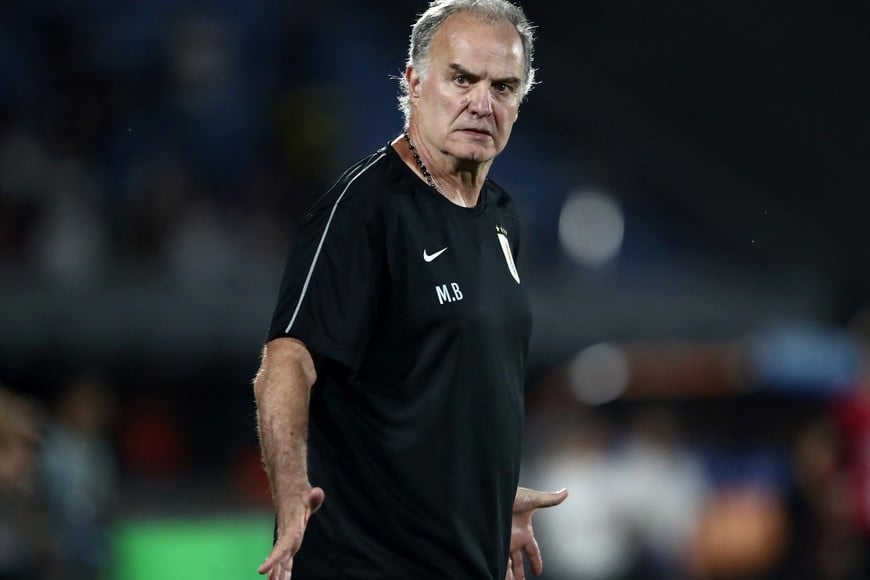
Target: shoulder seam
x,y
323,239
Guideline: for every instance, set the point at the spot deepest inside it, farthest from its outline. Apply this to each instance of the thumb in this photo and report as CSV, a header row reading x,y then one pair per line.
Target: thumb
x,y
545,499
315,499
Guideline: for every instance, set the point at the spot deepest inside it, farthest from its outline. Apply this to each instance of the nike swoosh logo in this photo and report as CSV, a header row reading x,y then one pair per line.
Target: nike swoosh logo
x,y
429,257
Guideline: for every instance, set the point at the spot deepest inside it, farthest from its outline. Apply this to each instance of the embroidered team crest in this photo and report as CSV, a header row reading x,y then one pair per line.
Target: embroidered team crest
x,y
506,249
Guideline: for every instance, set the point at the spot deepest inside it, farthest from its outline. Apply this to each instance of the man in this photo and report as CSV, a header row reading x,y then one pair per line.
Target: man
x,y
401,331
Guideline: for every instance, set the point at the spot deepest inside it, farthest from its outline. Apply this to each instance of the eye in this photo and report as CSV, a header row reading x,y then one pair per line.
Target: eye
x,y
460,79
504,88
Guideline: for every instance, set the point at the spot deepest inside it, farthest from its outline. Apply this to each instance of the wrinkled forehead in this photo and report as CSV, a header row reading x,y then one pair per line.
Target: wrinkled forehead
x,y
476,42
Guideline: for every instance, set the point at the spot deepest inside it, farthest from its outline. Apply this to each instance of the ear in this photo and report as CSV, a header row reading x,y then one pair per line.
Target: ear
x,y
413,79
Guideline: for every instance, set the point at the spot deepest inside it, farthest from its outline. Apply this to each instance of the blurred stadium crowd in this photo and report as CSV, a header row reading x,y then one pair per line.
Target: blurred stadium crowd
x,y
144,138
161,153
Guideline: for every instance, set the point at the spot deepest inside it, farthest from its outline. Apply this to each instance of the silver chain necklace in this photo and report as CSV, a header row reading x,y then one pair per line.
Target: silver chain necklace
x,y
423,169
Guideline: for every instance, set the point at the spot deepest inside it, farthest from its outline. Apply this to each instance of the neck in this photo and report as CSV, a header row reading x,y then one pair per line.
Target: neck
x,y
459,182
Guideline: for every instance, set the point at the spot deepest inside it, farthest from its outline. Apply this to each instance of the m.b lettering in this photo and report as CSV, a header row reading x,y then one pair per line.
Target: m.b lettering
x,y
448,293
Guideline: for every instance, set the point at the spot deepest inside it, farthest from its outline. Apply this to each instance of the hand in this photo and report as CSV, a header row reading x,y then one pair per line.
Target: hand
x,y
292,521
522,535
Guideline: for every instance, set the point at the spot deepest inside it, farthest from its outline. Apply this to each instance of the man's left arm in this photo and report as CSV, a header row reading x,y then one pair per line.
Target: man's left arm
x,y
528,501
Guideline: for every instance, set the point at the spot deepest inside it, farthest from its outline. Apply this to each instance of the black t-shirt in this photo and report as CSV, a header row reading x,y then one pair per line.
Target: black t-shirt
x,y
416,417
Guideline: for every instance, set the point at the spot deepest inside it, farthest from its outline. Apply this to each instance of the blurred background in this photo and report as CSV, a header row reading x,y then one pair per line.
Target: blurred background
x,y
693,180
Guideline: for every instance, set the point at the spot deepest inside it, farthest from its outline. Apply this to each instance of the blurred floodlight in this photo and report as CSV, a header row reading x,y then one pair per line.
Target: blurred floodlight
x,y
599,374
591,227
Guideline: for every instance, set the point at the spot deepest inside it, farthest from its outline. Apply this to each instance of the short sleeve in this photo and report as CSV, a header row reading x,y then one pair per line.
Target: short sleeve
x,y
332,283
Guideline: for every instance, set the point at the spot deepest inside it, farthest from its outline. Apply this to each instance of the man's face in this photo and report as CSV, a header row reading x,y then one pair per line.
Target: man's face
x,y
466,104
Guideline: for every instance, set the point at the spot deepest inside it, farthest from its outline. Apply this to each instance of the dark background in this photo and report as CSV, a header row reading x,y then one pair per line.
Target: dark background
x,y
155,158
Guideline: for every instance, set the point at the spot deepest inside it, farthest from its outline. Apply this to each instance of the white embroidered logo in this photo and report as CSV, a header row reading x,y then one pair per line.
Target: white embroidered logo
x,y
429,257
506,249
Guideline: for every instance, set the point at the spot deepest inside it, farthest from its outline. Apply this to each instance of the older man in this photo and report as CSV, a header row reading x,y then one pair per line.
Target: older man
x,y
393,374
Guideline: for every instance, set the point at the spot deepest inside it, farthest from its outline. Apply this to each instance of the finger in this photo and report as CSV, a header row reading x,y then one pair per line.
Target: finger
x,y
282,571
533,552
509,575
275,572
272,559
517,565
284,548
268,564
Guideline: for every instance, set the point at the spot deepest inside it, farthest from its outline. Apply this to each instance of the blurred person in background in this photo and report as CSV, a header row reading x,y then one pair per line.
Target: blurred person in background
x,y
402,331
588,538
664,488
25,546
823,542
637,496
852,416
79,478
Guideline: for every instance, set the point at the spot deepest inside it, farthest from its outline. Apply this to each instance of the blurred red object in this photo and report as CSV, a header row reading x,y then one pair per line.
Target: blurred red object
x,y
248,478
152,442
853,416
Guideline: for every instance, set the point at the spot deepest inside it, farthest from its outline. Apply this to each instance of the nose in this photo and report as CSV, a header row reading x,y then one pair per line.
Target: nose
x,y
480,100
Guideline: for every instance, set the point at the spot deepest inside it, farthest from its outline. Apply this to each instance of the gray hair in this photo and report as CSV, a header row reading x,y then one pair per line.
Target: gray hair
x,y
431,20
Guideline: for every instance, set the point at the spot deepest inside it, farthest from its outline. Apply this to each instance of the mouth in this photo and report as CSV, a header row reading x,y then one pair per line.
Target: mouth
x,y
476,131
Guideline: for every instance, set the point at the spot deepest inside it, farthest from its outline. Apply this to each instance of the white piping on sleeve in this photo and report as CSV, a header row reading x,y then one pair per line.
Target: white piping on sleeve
x,y
323,239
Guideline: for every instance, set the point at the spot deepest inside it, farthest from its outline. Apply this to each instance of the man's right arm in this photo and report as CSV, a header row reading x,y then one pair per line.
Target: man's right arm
x,y
282,390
